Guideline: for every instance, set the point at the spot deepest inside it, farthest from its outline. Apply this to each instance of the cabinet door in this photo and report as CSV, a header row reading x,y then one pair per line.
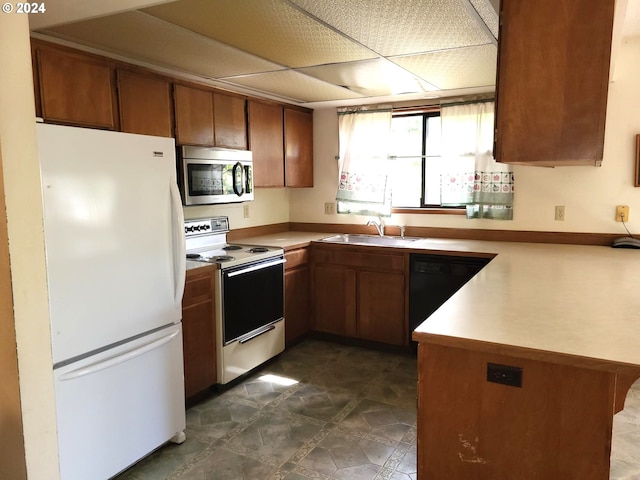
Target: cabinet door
x,y
230,121
266,143
335,300
76,89
297,313
145,104
298,148
194,116
381,307
553,75
198,333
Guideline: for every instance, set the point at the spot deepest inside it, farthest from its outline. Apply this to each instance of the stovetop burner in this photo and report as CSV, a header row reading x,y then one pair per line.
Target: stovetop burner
x,y
258,250
192,256
222,258
232,247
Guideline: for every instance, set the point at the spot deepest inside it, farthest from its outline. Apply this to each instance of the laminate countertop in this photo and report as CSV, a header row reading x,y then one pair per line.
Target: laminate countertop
x,y
569,303
543,301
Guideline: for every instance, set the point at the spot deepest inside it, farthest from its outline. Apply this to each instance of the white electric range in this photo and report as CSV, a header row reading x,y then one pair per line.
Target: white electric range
x,y
249,296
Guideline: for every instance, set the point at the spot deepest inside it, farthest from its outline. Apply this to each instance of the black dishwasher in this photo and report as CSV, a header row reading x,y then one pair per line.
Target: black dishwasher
x,y
434,279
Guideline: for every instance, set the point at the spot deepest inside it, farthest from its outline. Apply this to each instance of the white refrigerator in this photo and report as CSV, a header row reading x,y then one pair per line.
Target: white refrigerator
x,y
114,238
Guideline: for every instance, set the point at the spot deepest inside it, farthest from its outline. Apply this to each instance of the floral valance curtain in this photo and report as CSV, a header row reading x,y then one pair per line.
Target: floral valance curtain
x,y
473,178
363,185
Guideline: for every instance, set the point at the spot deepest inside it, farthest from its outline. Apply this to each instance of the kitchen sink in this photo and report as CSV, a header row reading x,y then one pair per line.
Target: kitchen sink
x,y
376,240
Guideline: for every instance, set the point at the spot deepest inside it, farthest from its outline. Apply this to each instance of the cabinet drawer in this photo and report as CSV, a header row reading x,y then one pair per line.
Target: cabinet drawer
x,y
352,258
295,258
198,288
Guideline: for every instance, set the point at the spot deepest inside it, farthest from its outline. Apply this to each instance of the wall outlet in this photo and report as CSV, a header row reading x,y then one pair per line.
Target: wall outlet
x,y
622,213
245,210
560,212
330,208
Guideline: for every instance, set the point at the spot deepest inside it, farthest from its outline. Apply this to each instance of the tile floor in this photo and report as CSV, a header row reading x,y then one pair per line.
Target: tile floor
x,y
351,416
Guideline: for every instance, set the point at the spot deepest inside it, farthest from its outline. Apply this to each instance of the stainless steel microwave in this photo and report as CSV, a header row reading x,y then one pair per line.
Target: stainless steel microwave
x,y
210,175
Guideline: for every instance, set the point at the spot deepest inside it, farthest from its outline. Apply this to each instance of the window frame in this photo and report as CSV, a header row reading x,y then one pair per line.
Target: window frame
x,y
425,113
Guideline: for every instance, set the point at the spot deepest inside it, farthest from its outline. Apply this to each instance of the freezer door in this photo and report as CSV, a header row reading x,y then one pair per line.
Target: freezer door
x,y
114,236
116,407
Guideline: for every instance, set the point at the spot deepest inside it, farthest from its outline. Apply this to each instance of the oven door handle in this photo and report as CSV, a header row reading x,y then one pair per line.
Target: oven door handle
x,y
258,266
257,334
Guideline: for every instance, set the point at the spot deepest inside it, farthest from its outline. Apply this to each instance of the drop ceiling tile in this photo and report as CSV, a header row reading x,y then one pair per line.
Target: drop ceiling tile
x,y
457,68
142,37
397,28
488,15
377,77
295,86
271,29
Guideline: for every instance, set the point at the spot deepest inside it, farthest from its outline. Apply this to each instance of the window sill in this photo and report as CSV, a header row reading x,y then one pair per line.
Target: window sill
x,y
431,211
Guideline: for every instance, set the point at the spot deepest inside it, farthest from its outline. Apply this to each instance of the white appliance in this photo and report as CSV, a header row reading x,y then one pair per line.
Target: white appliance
x,y
115,267
249,296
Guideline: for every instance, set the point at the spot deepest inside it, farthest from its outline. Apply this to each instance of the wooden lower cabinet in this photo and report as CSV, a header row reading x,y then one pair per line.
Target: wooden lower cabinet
x,y
360,295
381,307
335,300
198,331
297,301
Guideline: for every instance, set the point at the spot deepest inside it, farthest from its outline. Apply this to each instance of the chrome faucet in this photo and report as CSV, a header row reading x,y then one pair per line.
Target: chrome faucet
x,y
379,225
401,227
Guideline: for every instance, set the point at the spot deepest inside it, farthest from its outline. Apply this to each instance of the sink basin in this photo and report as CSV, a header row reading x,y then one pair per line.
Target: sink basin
x,y
357,239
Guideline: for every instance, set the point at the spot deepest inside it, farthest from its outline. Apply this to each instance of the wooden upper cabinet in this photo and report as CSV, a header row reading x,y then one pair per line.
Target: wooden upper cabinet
x,y
266,143
75,88
553,74
298,148
230,121
194,116
145,104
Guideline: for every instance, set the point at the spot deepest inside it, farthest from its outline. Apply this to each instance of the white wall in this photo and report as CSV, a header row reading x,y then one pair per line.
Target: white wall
x,y
270,205
589,194
26,248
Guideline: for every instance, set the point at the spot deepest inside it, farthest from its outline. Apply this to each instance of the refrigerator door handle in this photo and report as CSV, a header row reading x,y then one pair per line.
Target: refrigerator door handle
x,y
179,253
110,362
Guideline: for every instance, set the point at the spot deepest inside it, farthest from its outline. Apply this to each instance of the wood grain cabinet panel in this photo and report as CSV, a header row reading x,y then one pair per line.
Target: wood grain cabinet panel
x,y
298,148
266,142
198,331
297,307
359,294
194,116
381,309
335,300
553,76
471,428
230,121
76,88
145,104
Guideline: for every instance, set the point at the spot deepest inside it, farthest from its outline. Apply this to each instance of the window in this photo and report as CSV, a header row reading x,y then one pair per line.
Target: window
x,y
417,164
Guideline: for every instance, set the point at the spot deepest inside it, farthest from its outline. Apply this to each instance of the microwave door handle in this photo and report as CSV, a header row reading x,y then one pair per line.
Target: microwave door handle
x,y
238,183
247,179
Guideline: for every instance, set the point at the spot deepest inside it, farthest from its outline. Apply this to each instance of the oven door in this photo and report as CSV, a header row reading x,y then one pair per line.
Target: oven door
x,y
253,299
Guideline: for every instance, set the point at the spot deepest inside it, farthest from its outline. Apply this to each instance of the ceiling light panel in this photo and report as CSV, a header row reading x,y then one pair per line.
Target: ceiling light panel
x,y
378,77
458,68
143,37
295,86
397,28
271,29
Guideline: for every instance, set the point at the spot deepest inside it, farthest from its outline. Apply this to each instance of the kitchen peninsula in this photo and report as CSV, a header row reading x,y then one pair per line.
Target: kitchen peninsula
x,y
521,372
565,318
